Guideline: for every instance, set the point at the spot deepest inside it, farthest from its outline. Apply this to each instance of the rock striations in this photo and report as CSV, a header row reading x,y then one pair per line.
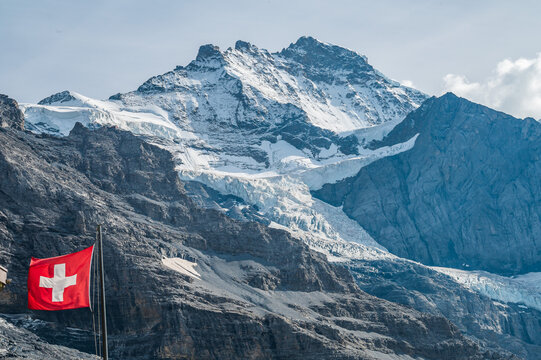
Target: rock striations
x,y
259,294
10,114
467,195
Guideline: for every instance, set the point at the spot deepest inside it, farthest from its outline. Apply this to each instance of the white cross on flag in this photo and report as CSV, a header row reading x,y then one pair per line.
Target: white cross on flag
x,y
61,282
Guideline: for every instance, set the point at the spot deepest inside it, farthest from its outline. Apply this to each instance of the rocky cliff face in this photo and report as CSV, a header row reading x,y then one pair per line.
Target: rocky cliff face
x,y
257,293
512,326
467,195
10,114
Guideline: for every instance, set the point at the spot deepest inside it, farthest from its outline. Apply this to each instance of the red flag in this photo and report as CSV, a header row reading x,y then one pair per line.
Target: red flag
x,y
61,282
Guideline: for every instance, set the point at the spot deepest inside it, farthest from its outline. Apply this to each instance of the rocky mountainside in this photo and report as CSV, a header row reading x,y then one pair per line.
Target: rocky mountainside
x,y
253,292
507,324
252,135
467,195
291,121
10,114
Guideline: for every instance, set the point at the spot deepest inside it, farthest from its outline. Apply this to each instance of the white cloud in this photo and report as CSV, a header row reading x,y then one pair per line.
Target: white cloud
x,y
515,87
407,83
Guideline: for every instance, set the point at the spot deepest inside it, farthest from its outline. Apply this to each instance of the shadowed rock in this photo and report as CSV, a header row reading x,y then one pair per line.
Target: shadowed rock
x,y
10,114
467,195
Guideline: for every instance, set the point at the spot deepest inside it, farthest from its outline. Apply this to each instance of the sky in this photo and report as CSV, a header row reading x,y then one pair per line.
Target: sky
x,y
485,50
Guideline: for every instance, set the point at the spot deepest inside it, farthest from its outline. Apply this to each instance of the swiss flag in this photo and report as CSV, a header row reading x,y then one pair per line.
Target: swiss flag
x,y
61,282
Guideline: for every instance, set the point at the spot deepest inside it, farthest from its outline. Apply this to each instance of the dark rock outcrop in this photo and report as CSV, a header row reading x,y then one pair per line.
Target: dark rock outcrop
x,y
233,206
61,97
467,195
10,114
261,294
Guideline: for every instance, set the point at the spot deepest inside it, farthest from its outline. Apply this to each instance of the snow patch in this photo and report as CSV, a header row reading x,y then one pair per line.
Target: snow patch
x,y
182,266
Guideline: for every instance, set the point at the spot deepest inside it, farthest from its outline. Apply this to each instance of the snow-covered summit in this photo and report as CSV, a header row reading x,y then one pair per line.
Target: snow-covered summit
x,y
311,95
312,53
321,99
329,86
58,98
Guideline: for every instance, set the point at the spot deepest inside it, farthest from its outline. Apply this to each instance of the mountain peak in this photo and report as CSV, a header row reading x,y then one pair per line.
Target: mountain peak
x,y
10,114
310,51
450,102
472,159
310,44
245,85
59,97
209,52
441,114
308,41
243,45
449,96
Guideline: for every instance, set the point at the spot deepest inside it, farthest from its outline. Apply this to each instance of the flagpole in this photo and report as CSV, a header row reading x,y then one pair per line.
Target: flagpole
x,y
102,298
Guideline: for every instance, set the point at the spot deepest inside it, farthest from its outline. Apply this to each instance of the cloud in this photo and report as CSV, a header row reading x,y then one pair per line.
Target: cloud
x,y
407,83
514,87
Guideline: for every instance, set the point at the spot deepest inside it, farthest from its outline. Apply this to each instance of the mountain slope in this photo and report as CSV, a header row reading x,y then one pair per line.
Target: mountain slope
x,y
252,133
467,195
266,294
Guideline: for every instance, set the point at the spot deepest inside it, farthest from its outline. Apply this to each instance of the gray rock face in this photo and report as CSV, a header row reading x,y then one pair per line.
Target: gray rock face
x,y
514,327
261,294
18,342
232,206
511,326
467,195
10,114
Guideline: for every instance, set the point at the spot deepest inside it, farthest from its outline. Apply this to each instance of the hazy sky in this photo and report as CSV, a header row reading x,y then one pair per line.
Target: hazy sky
x,y
99,48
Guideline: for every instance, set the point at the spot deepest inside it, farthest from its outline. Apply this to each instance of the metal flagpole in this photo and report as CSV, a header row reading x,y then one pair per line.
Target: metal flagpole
x,y
102,299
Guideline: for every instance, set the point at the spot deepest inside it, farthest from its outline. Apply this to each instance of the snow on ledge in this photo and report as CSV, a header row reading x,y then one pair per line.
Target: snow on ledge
x,y
182,266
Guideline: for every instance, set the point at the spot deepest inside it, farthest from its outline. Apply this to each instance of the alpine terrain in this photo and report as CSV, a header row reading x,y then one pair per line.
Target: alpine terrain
x,y
288,205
